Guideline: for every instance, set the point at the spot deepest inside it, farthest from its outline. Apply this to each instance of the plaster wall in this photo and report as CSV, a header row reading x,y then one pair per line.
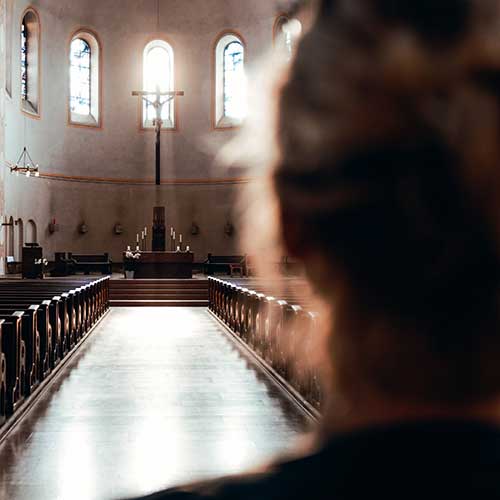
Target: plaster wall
x,y
2,124
120,150
101,207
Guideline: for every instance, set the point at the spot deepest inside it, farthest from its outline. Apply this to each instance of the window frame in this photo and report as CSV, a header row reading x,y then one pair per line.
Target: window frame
x,y
145,125
220,122
282,20
94,118
31,107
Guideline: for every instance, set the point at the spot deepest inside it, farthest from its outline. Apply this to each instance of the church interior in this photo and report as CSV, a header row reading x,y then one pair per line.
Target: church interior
x,y
141,347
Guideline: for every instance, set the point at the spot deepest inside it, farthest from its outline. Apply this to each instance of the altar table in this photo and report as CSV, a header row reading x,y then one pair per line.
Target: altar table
x,y
165,265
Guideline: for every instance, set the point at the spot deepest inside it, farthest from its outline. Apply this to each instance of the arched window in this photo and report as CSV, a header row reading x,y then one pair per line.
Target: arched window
x,y
30,62
84,78
158,74
230,82
286,33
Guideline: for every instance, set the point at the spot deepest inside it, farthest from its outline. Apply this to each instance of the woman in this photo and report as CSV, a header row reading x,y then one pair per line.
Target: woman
x,y
389,136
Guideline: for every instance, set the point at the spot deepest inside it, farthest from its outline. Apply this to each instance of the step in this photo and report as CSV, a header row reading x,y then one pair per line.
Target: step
x,y
159,303
159,296
124,282
162,286
159,292
162,290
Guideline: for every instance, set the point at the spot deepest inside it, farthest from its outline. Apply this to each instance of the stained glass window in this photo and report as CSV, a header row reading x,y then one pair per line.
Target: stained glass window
x,y
80,77
234,88
24,61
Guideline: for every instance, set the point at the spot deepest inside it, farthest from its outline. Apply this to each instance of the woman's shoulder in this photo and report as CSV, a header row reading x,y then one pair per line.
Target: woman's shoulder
x,y
284,480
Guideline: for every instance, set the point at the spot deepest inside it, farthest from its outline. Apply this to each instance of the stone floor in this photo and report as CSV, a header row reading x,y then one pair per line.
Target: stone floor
x,y
156,396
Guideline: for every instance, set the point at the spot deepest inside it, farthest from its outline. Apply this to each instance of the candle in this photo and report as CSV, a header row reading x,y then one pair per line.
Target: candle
x,y
128,248
137,248
180,238
178,249
142,235
145,231
174,235
137,240
187,248
171,231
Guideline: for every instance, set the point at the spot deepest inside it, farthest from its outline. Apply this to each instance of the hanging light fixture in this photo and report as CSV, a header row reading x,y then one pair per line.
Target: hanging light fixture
x,y
25,165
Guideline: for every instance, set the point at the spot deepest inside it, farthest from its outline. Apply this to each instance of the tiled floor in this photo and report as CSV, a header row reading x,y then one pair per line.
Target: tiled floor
x,y
155,397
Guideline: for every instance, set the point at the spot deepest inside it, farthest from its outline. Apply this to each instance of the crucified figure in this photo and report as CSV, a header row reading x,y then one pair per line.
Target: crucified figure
x,y
157,100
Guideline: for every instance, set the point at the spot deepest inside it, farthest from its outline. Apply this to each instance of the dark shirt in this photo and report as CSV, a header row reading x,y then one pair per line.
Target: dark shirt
x,y
445,460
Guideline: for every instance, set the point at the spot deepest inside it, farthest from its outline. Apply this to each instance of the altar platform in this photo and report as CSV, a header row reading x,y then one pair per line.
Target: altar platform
x,y
158,292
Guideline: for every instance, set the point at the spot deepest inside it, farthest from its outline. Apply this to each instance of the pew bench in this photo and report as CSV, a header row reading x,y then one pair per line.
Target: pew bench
x,y
88,263
229,264
39,323
275,318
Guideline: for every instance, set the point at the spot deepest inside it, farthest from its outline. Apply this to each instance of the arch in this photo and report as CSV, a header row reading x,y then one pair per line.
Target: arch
x,y
31,232
85,79
230,81
286,32
30,34
158,72
18,240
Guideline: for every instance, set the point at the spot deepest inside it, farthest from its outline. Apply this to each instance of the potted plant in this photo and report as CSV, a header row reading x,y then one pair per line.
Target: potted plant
x,y
130,262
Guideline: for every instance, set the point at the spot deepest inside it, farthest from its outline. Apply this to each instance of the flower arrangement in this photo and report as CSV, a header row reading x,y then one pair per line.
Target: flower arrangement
x,y
130,259
132,255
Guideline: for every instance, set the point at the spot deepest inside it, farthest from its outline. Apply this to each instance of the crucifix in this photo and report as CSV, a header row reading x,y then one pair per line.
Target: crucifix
x,y
157,100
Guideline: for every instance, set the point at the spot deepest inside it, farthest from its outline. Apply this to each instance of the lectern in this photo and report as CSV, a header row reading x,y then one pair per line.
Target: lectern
x,y
32,261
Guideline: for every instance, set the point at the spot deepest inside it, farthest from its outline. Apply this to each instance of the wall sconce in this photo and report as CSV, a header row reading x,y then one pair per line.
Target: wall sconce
x,y
53,227
229,229
83,229
195,229
118,229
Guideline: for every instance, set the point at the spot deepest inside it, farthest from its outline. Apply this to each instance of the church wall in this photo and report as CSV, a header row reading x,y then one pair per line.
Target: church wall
x,y
102,206
2,126
119,150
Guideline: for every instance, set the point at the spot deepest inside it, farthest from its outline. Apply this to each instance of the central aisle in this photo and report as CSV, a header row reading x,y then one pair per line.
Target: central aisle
x,y
156,396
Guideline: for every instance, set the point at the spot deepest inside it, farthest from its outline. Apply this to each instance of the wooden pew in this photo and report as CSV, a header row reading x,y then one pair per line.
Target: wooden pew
x,y
225,263
92,263
44,326
279,330
40,321
14,351
31,344
3,376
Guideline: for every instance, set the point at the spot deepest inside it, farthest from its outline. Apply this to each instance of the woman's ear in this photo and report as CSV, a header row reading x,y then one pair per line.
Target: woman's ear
x,y
293,234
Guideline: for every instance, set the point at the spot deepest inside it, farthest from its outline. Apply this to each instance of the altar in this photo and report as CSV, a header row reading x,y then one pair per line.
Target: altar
x,y
165,265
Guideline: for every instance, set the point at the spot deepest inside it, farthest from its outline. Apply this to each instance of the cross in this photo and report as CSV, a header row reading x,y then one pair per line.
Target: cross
x,y
160,99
